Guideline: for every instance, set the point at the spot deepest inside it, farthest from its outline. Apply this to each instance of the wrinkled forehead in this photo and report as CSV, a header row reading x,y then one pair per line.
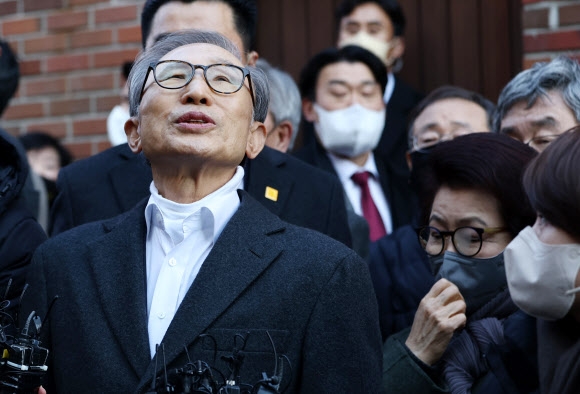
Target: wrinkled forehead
x,y
203,54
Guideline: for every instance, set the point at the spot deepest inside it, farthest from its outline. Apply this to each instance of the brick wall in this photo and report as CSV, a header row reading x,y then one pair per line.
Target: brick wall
x,y
550,28
71,53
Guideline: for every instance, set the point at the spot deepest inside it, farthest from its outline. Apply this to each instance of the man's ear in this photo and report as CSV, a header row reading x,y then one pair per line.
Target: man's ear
x,y
256,139
252,58
308,111
133,134
398,48
280,137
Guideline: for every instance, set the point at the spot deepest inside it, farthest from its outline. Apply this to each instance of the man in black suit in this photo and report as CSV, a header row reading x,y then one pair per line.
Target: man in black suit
x,y
379,26
115,180
342,93
200,267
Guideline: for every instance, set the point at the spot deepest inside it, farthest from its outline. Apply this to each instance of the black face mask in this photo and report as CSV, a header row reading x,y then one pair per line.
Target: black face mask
x,y
478,280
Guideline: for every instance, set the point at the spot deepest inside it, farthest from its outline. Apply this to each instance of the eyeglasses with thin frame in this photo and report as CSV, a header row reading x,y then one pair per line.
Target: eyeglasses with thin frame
x,y
467,240
221,78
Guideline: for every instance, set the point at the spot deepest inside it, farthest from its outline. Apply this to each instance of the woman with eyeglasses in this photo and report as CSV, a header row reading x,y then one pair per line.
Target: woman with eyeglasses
x,y
467,335
543,262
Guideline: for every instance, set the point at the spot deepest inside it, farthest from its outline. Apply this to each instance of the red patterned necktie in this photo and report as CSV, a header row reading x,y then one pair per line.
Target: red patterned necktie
x,y
370,211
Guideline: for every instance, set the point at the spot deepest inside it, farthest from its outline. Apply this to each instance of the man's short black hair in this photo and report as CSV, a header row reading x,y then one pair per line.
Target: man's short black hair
x,y
349,54
391,8
245,18
9,75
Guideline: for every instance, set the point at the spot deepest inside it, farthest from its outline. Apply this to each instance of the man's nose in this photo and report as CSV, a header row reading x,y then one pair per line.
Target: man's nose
x,y
197,90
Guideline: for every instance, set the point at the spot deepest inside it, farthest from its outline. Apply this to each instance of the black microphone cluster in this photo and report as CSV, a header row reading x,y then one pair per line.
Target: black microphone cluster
x,y
198,377
23,362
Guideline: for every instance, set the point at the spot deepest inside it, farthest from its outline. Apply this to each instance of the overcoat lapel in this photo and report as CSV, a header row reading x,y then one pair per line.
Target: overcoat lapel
x,y
266,171
117,258
130,189
240,255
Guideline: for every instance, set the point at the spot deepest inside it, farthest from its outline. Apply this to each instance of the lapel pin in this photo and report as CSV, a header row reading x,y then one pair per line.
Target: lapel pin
x,y
271,193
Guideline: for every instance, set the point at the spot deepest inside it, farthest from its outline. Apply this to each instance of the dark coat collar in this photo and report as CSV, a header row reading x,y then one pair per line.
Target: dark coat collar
x,y
246,237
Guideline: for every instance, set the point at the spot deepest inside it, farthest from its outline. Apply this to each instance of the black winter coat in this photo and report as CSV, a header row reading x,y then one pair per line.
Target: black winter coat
x,y
20,234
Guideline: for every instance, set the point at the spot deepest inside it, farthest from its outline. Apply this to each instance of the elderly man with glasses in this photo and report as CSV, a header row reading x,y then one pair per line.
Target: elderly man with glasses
x,y
200,285
540,103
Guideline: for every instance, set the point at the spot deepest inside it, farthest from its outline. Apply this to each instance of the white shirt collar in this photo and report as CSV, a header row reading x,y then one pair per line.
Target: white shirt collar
x,y
389,88
346,168
214,210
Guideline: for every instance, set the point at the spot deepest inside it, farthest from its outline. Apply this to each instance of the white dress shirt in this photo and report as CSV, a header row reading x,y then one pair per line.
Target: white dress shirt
x,y
346,169
179,238
389,88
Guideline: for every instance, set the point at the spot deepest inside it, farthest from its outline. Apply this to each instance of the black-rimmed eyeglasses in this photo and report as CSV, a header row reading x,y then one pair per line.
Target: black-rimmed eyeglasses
x,y
221,78
466,240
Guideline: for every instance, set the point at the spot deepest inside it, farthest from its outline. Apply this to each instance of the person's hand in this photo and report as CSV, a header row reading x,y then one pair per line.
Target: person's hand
x,y
41,390
440,313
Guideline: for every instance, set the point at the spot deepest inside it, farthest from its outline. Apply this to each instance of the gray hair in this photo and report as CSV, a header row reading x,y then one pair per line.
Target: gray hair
x,y
562,74
186,37
285,101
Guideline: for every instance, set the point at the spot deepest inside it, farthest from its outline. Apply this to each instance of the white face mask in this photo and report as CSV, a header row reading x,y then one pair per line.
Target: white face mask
x,y
540,276
378,47
350,131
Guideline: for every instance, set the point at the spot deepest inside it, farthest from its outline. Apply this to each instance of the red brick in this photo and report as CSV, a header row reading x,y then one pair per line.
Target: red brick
x,y
91,38
129,34
569,15
535,18
69,106
101,146
92,82
56,129
45,86
107,103
117,14
85,2
79,150
67,63
67,20
29,67
96,126
20,26
552,41
45,44
528,63
23,111
113,58
8,7
35,5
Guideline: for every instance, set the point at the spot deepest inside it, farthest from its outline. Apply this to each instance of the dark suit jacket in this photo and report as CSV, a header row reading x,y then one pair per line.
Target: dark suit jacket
x,y
112,182
394,141
395,188
311,293
401,276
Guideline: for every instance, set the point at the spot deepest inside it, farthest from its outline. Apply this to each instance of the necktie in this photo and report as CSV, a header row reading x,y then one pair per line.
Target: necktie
x,y
370,211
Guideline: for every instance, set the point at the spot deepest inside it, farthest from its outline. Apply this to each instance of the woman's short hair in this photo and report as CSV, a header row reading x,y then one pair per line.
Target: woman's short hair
x,y
485,162
552,183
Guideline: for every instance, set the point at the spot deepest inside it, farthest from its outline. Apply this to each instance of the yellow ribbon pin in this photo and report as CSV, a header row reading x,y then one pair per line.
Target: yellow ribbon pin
x,y
271,193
